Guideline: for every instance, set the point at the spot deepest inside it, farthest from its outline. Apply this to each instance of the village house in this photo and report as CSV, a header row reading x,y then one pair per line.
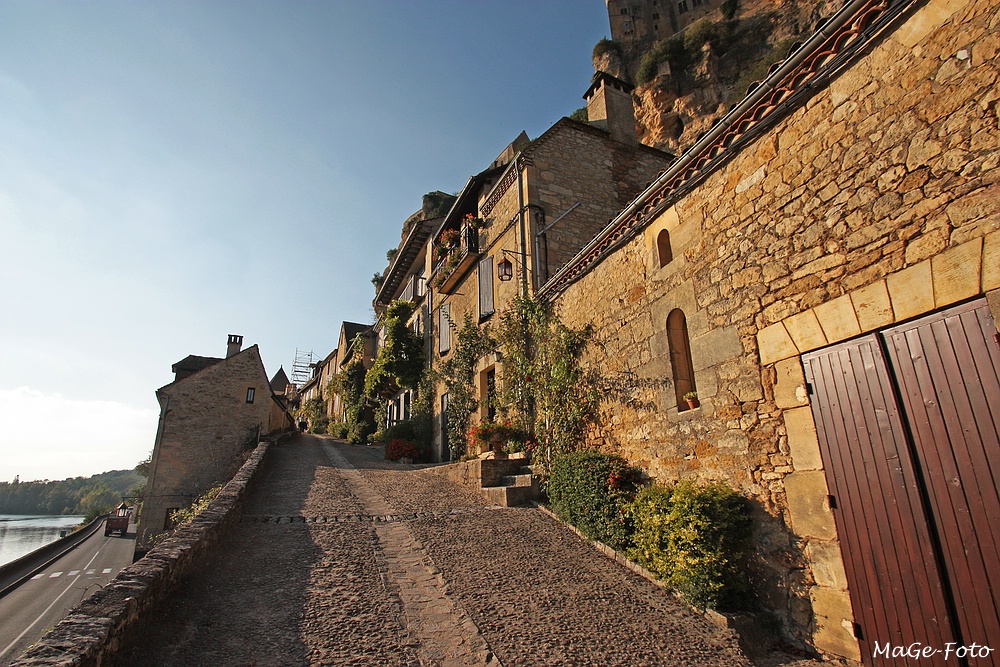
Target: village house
x,y
822,268
406,279
345,352
211,415
516,223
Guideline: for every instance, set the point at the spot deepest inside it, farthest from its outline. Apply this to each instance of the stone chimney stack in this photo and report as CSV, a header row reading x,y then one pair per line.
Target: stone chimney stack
x,y
235,343
609,107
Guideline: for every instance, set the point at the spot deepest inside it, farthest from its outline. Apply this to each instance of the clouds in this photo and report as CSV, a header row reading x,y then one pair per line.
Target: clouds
x,y
49,436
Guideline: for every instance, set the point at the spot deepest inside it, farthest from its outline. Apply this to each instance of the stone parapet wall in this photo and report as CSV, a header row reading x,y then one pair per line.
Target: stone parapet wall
x,y
94,631
875,202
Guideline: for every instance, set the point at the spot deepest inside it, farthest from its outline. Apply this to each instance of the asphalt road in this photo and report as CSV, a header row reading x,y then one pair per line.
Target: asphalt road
x,y
33,608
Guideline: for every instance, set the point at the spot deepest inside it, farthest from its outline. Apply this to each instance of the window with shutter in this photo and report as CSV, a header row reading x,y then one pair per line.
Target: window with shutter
x,y
485,287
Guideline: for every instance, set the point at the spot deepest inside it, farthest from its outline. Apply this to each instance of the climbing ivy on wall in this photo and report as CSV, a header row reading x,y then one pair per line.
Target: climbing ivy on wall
x,y
400,361
350,384
458,375
545,388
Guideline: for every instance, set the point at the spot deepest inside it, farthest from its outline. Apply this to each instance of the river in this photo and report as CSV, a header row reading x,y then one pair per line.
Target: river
x,y
20,534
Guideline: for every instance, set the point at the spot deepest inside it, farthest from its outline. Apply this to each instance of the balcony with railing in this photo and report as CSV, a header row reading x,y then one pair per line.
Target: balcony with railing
x,y
456,252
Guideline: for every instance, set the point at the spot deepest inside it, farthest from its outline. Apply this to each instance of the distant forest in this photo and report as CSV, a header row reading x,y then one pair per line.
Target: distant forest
x,y
79,495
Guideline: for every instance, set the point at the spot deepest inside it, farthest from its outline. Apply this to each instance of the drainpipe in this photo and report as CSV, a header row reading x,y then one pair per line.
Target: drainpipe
x,y
521,223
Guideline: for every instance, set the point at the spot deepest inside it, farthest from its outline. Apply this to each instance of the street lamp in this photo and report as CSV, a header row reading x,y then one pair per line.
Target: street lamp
x,y
505,269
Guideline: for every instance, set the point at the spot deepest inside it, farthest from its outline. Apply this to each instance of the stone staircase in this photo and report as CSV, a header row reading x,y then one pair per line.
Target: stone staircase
x,y
504,482
518,488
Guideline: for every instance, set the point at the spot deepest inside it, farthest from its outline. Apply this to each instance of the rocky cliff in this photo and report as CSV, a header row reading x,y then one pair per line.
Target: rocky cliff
x,y
686,82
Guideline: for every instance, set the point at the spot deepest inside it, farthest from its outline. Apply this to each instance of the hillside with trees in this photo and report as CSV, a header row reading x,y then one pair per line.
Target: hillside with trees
x,y
78,495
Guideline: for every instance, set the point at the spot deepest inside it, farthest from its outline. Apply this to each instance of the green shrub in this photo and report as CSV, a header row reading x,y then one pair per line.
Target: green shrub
x,y
319,424
580,115
757,71
605,45
591,490
359,433
338,429
695,539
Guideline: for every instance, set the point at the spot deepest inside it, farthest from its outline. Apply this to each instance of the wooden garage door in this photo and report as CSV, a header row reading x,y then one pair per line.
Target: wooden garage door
x,y
908,424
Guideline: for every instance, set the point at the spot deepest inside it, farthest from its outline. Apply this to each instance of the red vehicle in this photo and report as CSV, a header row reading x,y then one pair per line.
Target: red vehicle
x,y
118,522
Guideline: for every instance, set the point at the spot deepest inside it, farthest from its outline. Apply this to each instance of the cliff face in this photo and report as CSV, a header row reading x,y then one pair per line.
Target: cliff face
x,y
685,83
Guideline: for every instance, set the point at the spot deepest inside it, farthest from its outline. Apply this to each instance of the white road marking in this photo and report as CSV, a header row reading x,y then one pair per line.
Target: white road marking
x,y
73,572
91,571
38,576
54,575
106,570
47,609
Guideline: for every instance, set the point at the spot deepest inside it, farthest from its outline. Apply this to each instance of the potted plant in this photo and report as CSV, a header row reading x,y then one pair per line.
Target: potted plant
x,y
474,221
692,400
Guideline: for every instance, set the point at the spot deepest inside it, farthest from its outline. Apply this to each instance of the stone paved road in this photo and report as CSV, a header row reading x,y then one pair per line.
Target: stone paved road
x,y
343,558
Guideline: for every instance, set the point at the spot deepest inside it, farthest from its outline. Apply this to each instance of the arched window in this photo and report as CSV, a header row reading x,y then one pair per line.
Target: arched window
x,y
680,356
663,252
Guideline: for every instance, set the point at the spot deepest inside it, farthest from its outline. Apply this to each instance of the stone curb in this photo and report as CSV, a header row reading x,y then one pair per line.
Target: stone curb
x,y
94,631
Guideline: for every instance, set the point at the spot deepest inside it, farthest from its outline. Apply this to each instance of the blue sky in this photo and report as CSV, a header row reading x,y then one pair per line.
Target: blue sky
x,y
174,172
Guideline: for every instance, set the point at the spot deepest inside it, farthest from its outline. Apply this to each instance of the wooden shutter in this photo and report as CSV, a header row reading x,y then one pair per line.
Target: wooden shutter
x,y
444,328
485,286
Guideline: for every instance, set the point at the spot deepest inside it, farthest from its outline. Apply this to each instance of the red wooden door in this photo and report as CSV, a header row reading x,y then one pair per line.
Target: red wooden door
x,y
895,586
948,370
909,430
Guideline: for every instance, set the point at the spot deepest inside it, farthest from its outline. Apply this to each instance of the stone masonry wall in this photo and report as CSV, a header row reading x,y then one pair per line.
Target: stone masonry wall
x,y
580,164
93,632
207,429
875,202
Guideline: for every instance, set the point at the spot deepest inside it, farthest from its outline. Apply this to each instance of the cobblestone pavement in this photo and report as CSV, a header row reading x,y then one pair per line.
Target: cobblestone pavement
x,y
343,558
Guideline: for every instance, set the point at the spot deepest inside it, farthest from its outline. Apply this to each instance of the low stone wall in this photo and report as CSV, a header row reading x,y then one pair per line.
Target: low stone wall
x,y
93,632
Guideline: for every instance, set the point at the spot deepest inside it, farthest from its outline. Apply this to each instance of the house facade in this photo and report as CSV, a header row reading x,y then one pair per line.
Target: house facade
x,y
530,211
214,411
406,279
823,270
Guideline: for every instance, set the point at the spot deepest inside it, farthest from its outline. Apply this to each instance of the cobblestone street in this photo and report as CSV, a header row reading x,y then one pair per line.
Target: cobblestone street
x,y
343,558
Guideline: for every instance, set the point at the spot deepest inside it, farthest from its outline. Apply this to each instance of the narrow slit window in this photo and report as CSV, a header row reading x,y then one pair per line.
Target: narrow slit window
x,y
664,254
250,394
680,356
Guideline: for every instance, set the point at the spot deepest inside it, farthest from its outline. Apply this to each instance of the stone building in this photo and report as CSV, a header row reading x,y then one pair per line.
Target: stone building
x,y
823,269
406,280
530,211
344,352
639,20
211,415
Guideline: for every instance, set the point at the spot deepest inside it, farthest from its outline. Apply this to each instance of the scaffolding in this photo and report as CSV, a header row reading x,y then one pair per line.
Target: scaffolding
x,y
302,367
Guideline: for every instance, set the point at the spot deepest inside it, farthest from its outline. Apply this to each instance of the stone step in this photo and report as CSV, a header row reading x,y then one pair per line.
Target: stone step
x,y
520,479
510,496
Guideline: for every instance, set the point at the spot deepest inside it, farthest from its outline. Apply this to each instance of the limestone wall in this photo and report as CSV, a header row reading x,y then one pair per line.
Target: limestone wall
x,y
876,202
93,632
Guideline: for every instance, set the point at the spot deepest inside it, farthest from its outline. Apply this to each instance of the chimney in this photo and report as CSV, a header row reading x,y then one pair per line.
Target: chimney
x,y
235,343
609,107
